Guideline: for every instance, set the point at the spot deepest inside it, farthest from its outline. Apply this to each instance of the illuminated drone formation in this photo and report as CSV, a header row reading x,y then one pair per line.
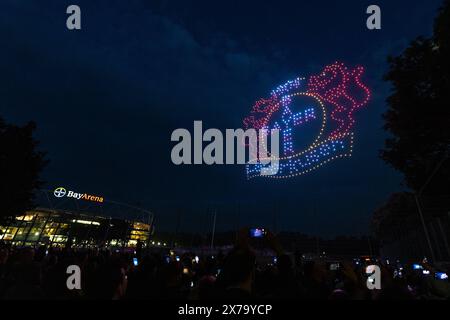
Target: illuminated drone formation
x,y
336,94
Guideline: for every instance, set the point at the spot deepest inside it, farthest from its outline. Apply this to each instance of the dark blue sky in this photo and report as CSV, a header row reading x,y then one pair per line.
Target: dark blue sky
x,y
106,99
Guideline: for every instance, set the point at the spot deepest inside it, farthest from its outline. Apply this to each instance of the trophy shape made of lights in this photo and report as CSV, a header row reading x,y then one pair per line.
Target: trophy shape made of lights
x,y
314,116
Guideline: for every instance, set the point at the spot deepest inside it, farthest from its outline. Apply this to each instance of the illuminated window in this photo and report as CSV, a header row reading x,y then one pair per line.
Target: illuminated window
x,y
28,217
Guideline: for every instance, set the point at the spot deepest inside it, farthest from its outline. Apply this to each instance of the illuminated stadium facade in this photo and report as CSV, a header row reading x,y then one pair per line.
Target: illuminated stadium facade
x,y
69,221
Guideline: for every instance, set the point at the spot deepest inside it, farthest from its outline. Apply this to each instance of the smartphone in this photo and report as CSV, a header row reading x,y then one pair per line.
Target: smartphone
x,y
417,267
334,266
257,233
185,271
135,262
441,276
426,272
177,258
196,259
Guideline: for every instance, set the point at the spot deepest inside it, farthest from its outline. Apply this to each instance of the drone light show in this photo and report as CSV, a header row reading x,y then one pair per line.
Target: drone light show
x,y
315,117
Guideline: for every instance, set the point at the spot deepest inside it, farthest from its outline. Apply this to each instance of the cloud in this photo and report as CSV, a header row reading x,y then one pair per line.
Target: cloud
x,y
109,95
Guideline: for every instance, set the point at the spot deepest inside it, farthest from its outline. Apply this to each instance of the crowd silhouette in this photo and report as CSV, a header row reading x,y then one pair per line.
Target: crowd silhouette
x,y
106,274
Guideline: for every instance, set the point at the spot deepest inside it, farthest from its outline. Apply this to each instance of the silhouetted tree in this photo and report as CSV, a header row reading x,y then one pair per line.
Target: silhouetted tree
x,y
20,165
419,113
398,208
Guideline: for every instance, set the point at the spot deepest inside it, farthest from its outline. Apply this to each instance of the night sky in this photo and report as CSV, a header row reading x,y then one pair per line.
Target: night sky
x,y
107,98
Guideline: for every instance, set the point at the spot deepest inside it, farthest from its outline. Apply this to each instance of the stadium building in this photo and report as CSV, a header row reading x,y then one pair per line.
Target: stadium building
x,y
76,223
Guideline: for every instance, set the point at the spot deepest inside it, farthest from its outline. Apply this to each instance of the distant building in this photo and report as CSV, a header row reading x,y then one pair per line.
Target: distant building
x,y
60,228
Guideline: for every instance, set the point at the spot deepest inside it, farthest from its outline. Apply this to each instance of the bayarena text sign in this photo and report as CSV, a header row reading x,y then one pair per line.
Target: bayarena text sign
x,y
61,192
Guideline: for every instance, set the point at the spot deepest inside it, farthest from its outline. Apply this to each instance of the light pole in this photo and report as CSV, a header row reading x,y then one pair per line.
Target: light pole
x,y
425,229
419,207
213,230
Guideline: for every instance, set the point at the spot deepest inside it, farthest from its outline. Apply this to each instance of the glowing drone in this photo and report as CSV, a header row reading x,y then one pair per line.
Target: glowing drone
x,y
329,100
